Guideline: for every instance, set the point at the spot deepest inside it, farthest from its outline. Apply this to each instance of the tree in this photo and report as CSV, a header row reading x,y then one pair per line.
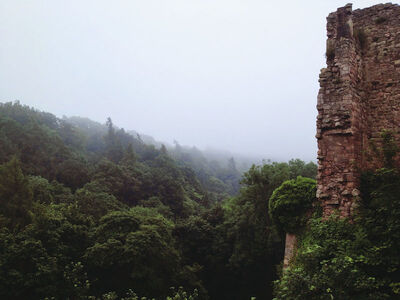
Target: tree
x,y
41,188
15,194
133,249
113,143
73,172
93,202
117,180
130,157
290,204
26,268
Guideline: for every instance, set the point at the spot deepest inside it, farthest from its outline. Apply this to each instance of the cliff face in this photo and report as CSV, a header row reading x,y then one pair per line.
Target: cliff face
x,y
359,96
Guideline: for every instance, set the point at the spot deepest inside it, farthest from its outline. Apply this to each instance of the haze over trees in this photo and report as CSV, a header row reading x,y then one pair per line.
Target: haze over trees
x,y
90,211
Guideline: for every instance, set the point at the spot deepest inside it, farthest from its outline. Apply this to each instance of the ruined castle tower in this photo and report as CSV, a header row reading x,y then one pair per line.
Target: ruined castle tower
x,y
359,96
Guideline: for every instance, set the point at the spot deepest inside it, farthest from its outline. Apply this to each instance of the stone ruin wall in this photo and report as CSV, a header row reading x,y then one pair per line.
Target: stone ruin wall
x,y
359,96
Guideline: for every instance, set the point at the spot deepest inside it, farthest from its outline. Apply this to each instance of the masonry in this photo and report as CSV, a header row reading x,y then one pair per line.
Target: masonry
x,y
359,97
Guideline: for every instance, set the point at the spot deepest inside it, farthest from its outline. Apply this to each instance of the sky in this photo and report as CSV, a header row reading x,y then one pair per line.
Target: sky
x,y
236,75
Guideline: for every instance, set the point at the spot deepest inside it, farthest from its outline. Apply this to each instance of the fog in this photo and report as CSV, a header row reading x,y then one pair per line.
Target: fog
x,y
234,75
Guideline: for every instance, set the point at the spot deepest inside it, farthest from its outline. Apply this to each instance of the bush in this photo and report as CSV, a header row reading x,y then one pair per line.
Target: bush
x,y
337,259
291,204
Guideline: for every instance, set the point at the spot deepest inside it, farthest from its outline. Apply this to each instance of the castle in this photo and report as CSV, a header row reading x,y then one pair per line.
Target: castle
x,y
359,97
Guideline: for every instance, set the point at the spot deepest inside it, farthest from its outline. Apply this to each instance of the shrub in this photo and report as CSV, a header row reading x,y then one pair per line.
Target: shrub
x,y
291,203
337,259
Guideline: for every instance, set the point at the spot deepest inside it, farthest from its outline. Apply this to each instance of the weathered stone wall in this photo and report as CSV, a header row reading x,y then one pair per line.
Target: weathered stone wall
x,y
359,97
290,249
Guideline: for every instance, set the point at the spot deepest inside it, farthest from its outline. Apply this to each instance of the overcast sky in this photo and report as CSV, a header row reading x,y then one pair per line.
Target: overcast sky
x,y
234,75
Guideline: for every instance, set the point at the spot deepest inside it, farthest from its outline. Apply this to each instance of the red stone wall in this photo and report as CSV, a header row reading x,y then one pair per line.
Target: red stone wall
x,y
359,97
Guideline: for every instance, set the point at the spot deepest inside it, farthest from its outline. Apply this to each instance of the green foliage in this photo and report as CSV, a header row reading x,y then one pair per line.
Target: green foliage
x,y
92,201
77,283
25,267
133,248
251,244
73,172
114,149
33,260
32,137
220,178
389,148
15,194
41,188
383,153
337,259
290,204
89,211
180,294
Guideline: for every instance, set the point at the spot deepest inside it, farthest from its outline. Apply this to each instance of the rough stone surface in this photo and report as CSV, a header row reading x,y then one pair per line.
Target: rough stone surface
x,y
290,245
359,96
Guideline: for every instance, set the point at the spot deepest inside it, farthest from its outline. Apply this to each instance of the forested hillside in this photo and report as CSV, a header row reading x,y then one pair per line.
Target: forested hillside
x,y
89,211
217,173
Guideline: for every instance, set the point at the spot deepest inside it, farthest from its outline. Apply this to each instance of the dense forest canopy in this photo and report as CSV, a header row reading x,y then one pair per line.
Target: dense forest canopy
x,y
91,211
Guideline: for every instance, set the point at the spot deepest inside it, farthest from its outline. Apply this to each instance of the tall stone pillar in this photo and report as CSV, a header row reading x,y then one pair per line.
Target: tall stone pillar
x,y
339,115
